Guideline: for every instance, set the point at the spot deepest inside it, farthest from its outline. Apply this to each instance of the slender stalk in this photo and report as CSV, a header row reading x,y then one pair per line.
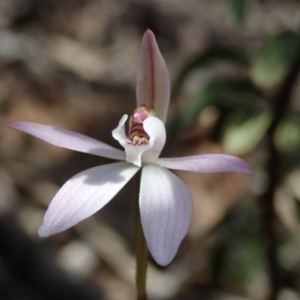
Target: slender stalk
x,y
279,106
141,246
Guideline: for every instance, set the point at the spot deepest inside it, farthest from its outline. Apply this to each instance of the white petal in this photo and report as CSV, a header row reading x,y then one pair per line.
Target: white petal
x,y
166,209
207,163
153,83
68,139
84,194
135,154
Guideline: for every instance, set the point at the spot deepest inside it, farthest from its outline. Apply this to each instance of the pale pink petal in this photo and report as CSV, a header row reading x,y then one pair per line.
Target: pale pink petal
x,y
153,83
84,194
166,208
68,139
137,154
207,163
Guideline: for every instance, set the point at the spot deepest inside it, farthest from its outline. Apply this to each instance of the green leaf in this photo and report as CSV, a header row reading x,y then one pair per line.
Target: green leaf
x,y
287,135
223,92
289,255
238,253
275,59
243,138
237,12
209,56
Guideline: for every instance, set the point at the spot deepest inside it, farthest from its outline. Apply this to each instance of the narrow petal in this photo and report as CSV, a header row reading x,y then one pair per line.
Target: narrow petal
x,y
166,209
137,154
153,83
84,194
68,139
207,163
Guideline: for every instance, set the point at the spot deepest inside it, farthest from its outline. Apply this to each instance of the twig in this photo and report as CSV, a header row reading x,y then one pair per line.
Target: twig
x,y
279,107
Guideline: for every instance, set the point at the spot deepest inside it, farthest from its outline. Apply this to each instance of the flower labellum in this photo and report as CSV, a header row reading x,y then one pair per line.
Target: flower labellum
x,y
137,134
165,201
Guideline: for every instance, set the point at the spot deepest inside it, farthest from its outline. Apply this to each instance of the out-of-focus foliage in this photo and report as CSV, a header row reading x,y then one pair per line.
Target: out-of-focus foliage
x,y
211,55
238,11
223,92
288,134
244,137
238,254
275,58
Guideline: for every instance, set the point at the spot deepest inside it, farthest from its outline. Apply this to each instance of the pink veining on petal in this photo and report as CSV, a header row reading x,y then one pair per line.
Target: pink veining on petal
x,y
68,139
153,83
166,209
84,194
206,163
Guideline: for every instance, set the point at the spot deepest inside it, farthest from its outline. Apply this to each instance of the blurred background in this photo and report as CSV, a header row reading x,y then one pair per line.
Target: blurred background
x,y
234,67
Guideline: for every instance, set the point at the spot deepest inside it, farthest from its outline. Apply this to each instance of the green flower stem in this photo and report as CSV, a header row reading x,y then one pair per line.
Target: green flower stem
x,y
141,246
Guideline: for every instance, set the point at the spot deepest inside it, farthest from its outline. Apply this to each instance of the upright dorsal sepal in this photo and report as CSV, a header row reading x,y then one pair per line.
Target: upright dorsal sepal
x,y
153,83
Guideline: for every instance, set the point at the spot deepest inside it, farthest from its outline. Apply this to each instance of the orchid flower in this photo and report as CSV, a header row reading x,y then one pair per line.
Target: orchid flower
x,y
165,201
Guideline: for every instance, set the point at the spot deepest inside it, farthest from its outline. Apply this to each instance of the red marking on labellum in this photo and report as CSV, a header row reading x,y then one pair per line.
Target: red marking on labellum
x,y
136,134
